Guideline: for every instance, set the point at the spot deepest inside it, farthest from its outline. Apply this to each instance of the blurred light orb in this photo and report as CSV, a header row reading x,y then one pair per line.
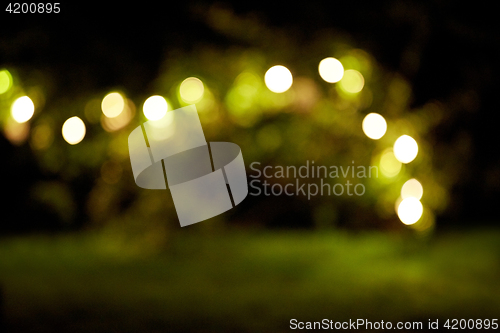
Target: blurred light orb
x,y
120,121
73,130
112,104
374,126
15,132
405,149
389,165
412,189
278,79
5,81
331,70
22,109
155,107
410,210
191,90
352,81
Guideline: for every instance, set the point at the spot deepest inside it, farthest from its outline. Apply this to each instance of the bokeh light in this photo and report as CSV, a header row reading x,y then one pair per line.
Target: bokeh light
x,y
405,149
352,81
306,93
191,90
155,107
112,104
278,79
410,210
5,81
243,99
73,130
120,121
389,165
15,132
374,126
22,109
331,70
412,189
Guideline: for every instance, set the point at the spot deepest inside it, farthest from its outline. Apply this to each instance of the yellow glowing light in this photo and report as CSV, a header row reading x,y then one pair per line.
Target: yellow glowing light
x,y
331,70
374,126
5,81
352,81
278,79
120,121
73,130
112,104
412,189
22,109
155,107
410,210
191,90
389,165
405,149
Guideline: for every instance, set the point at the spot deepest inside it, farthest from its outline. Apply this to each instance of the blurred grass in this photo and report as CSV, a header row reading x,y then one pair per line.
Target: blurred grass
x,y
245,281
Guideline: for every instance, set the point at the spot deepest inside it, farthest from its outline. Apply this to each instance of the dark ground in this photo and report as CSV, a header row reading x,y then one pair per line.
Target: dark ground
x,y
245,281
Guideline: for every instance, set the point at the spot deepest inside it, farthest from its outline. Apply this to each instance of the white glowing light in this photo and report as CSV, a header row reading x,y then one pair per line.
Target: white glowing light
x,y
331,70
22,109
412,188
191,90
155,107
405,149
112,104
374,126
121,120
73,130
278,79
410,210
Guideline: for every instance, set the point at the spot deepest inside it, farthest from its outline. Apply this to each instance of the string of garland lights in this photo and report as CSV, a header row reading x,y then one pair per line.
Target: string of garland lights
x,y
346,109
118,112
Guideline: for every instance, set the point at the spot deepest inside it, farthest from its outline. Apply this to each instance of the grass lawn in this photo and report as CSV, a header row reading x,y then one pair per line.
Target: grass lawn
x,y
245,281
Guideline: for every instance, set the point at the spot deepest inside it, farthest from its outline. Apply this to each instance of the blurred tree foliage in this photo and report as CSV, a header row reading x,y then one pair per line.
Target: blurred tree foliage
x,y
91,183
